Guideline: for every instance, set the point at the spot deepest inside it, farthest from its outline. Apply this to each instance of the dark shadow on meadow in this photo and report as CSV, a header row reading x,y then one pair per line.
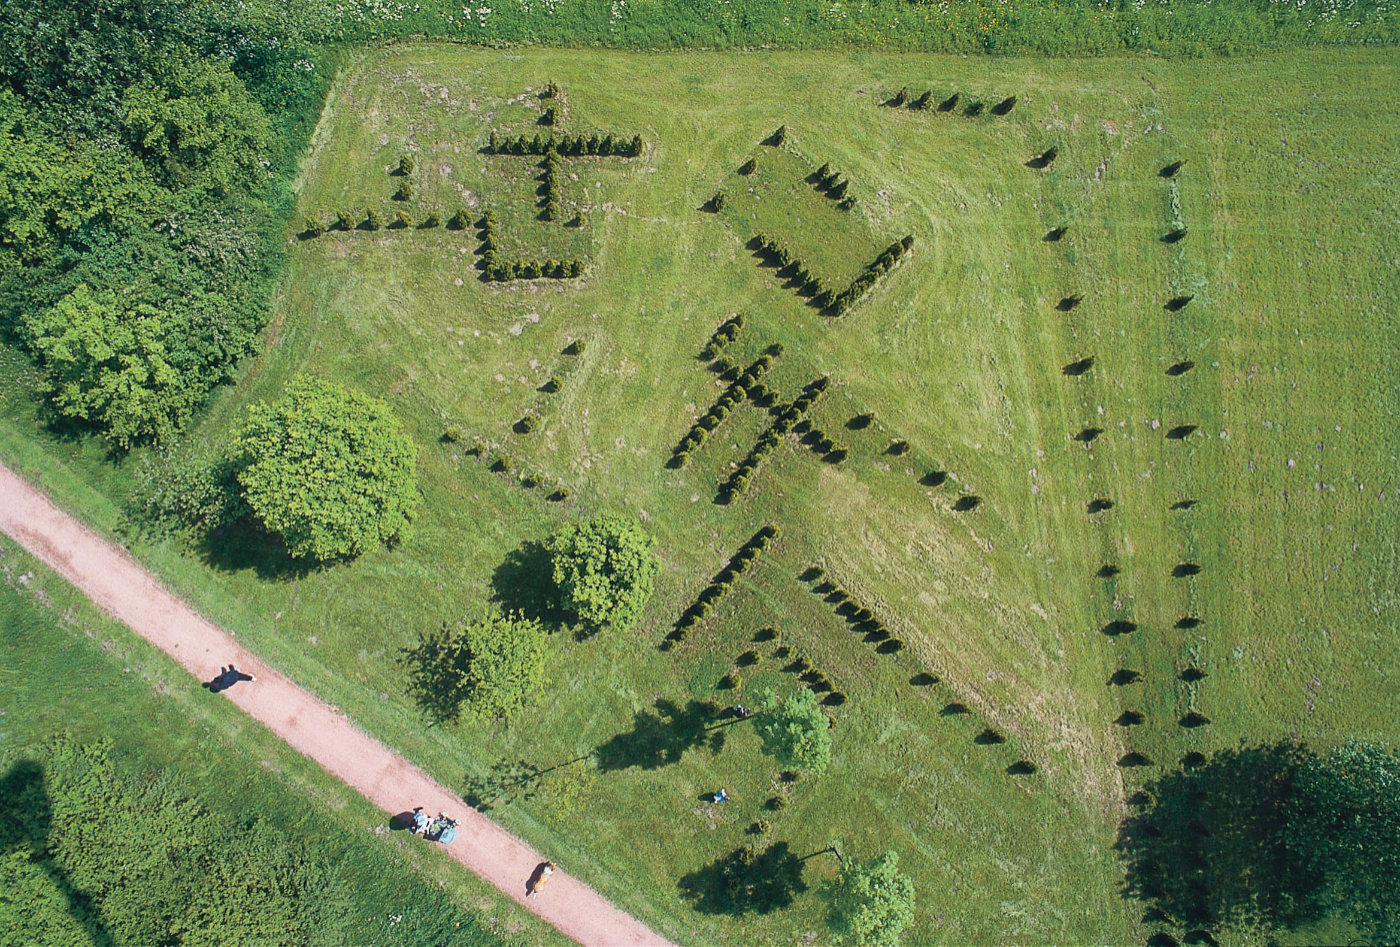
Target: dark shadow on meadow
x,y
1206,846
748,880
26,819
661,737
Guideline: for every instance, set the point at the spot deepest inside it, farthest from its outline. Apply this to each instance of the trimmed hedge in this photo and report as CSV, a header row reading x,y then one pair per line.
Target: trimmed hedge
x,y
740,481
824,297
719,586
569,146
725,404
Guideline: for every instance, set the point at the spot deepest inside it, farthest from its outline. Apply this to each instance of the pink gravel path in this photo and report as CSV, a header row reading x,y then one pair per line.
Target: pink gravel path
x,y
112,579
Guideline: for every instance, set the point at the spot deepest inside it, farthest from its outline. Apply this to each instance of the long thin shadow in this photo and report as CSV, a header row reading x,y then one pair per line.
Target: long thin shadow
x,y
26,821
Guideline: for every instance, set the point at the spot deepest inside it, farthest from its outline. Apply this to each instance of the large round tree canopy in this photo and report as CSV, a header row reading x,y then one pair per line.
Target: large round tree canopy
x,y
328,470
603,570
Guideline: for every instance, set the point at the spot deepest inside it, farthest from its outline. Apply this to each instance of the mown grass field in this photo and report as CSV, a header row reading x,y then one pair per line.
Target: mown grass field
x,y
1289,257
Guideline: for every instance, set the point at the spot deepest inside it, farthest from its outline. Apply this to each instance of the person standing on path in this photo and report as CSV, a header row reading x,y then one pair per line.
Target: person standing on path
x,y
541,878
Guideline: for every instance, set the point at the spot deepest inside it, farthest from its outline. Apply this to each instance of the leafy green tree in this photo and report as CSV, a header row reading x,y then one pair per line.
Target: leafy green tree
x,y
490,667
193,118
328,470
871,902
795,731
603,570
107,363
1344,826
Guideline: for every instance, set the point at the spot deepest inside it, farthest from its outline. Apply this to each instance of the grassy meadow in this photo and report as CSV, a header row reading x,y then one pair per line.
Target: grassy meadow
x,y
962,350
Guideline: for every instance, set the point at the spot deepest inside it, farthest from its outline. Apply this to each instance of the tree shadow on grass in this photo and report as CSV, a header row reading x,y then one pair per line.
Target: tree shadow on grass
x,y
26,820
245,545
1207,849
748,880
524,583
660,738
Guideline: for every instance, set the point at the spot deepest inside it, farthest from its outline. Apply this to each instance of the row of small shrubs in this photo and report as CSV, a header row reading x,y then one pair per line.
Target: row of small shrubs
x,y
550,179
533,269
823,297
789,267
821,442
860,618
740,390
719,587
570,146
738,482
813,677
971,108
347,221
490,247
502,462
727,332
838,303
829,183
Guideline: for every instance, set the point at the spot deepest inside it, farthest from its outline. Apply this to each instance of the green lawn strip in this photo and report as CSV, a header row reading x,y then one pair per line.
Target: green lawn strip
x,y
68,669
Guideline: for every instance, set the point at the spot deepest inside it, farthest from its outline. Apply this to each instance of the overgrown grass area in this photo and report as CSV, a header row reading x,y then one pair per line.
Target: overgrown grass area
x,y
70,672
964,351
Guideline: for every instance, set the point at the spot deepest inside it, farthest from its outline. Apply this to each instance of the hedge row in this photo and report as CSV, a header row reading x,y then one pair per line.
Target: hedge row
x,y
373,220
727,332
719,587
496,270
823,297
739,481
736,394
838,303
860,618
821,442
570,146
533,269
972,108
829,183
550,179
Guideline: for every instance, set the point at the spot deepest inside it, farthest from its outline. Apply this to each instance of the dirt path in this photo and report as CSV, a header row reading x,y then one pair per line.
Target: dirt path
x,y
120,587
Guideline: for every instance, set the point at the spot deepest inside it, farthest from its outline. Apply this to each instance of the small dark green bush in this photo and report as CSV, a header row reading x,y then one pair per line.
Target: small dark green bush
x,y
453,435
731,681
404,192
560,494
835,699
776,804
403,220
749,659
372,220
576,347
748,167
529,423
314,227
434,219
406,165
